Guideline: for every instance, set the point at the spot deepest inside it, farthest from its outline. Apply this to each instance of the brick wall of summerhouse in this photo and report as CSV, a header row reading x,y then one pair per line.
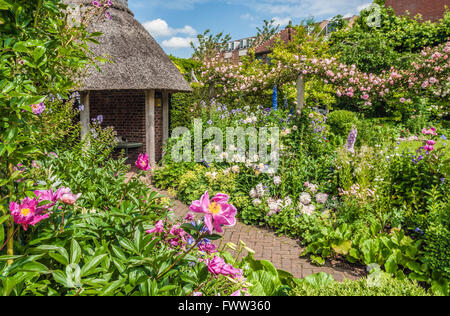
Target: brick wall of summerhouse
x,y
125,111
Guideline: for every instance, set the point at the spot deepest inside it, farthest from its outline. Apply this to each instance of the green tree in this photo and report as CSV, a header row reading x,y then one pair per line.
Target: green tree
x,y
209,44
43,51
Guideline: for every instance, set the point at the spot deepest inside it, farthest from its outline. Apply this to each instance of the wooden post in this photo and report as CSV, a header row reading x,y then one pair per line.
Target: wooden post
x,y
85,114
300,94
165,105
150,125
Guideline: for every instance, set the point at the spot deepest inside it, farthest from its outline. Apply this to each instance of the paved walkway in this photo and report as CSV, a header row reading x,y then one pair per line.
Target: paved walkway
x,y
281,251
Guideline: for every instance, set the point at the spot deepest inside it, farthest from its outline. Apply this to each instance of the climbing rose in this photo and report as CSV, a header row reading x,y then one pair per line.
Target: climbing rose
x,y
25,213
217,211
143,162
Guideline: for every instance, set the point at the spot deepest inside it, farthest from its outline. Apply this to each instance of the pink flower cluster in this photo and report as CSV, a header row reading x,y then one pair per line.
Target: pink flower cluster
x,y
99,4
430,73
177,238
32,211
38,109
429,147
218,266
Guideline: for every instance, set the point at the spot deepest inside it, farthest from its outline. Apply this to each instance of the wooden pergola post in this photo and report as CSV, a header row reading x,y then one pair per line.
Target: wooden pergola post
x,y
150,125
165,104
85,114
300,94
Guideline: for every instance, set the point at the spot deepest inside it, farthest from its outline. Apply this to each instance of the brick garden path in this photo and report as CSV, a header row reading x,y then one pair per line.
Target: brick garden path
x,y
283,252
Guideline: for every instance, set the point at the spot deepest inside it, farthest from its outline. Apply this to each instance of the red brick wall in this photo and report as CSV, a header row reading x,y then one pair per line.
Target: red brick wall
x,y
430,9
125,111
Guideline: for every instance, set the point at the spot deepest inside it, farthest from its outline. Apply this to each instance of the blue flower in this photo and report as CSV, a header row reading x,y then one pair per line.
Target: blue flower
x,y
443,137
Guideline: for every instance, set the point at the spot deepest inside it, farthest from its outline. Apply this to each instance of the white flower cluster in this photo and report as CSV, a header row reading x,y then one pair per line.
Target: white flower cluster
x,y
211,175
250,120
305,206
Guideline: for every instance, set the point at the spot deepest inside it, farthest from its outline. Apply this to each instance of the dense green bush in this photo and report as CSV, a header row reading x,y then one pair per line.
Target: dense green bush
x,y
374,285
436,250
341,122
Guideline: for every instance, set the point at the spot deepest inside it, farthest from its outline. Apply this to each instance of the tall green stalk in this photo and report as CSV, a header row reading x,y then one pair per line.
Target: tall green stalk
x,y
10,224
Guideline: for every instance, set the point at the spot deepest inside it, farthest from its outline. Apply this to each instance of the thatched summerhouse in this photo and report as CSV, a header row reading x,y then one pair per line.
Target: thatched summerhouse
x,y
132,93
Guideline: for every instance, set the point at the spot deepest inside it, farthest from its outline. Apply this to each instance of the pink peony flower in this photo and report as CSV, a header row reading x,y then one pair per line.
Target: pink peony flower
x,y
66,196
431,142
143,162
217,211
45,196
218,266
25,213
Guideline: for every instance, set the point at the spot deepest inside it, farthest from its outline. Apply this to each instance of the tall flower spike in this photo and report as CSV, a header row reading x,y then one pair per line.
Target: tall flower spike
x,y
351,140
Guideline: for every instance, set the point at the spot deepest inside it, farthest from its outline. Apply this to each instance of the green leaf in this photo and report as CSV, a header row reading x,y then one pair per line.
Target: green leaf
x,y
91,265
343,248
391,265
319,280
8,284
4,5
75,252
440,287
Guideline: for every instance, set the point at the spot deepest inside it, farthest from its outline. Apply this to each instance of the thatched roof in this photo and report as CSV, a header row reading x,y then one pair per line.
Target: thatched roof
x,y
139,62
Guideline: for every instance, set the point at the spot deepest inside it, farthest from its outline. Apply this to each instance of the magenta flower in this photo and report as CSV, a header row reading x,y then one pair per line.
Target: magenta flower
x,y
45,196
159,228
25,213
218,266
189,217
143,162
217,211
431,142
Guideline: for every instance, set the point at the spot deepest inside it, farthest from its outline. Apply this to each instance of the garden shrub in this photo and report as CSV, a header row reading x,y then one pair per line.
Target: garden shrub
x,y
436,249
381,285
341,122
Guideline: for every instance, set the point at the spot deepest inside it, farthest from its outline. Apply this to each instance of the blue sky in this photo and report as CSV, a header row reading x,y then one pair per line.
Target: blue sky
x,y
175,23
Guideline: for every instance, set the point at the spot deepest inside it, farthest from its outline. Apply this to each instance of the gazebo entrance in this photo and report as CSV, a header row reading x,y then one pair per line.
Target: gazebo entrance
x,y
140,117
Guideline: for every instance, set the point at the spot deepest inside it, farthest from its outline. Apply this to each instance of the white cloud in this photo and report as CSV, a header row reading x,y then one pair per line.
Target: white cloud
x,y
247,16
179,42
363,6
281,21
160,28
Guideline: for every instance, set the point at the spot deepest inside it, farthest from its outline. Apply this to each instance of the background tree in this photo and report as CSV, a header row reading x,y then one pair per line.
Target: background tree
x,y
209,44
